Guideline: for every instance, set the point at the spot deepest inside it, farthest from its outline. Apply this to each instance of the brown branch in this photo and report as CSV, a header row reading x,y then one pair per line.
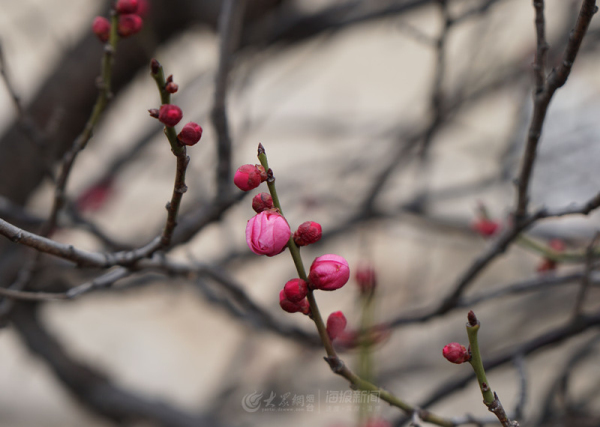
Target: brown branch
x,y
70,253
555,80
230,26
92,388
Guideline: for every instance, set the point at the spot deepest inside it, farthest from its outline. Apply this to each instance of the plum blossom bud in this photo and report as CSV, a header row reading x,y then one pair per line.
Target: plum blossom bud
x,y
336,323
95,197
308,232
486,227
126,6
261,202
169,114
190,134
154,66
267,233
153,112
143,8
365,278
101,27
171,87
248,177
548,264
329,272
301,306
295,290
456,353
129,25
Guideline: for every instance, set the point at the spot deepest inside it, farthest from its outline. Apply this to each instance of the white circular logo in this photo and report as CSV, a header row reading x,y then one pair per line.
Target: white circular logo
x,y
251,401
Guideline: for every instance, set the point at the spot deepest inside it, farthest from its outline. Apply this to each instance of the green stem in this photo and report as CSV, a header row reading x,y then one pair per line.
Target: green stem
x,y
336,364
477,364
570,256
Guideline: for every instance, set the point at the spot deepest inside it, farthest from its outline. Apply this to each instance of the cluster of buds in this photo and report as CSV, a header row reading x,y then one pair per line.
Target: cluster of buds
x,y
268,233
170,114
129,22
548,264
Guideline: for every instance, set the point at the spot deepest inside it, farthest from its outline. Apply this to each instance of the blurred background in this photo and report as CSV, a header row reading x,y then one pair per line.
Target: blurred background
x,y
389,122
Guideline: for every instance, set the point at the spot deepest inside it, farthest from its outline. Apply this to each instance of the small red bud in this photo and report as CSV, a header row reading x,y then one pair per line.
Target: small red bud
x,y
153,112
486,227
547,264
169,78
95,197
365,278
101,27
295,290
456,353
247,177
129,25
143,8
293,307
171,87
190,134
261,202
126,6
308,232
336,323
170,114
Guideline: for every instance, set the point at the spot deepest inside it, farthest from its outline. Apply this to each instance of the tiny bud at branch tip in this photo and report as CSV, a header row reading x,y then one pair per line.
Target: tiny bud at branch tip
x,y
154,66
472,319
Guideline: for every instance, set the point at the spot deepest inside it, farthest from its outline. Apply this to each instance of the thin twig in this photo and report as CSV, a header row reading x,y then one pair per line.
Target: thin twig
x,y
586,280
230,26
84,137
555,80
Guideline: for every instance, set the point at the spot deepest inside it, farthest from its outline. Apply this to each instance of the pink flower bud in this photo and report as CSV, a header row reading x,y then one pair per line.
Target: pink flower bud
x,y
129,25
486,227
308,232
295,290
248,177
143,8
261,202
456,353
329,272
365,278
126,6
336,323
190,134
170,114
171,87
301,306
95,197
101,27
267,233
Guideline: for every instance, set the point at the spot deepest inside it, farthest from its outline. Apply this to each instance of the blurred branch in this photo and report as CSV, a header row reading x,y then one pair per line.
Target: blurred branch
x,y
230,27
544,91
92,388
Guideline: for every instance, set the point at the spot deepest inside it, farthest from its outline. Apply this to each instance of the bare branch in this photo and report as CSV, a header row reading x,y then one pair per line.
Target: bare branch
x,y
557,78
230,25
